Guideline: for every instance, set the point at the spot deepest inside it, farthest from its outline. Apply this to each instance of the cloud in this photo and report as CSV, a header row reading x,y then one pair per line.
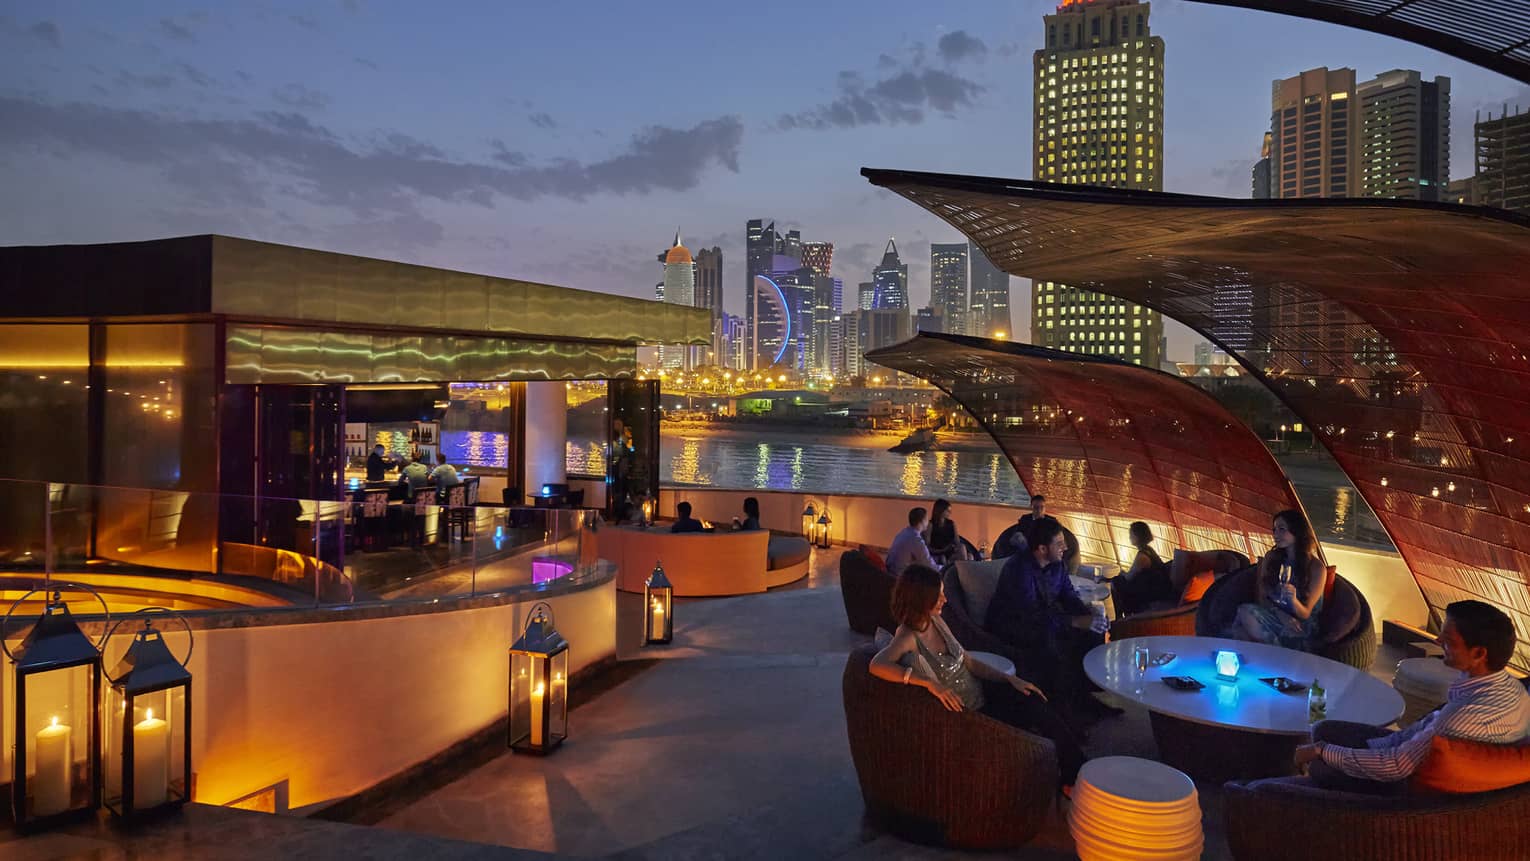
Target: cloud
x,y
958,45
543,120
370,179
133,80
48,32
304,21
901,98
300,98
1235,176
176,30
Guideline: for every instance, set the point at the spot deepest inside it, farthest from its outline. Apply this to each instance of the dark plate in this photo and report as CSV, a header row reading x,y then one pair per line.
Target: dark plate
x,y
1182,683
1161,658
1285,685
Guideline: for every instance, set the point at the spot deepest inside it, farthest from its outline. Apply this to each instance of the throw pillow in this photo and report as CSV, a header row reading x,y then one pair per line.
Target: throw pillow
x,y
1197,585
1179,571
979,580
874,558
1330,576
1454,765
882,639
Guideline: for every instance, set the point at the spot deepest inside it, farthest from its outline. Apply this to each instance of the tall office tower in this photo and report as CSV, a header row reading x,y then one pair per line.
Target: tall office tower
x,y
709,295
1261,172
679,289
1503,160
1462,191
818,256
890,280
930,319
1098,121
948,284
761,243
865,296
1315,135
1404,136
849,357
786,299
837,346
884,327
734,343
825,288
988,301
791,244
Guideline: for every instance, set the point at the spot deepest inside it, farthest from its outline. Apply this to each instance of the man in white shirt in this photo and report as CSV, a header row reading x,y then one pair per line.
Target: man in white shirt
x,y
1487,705
445,475
908,545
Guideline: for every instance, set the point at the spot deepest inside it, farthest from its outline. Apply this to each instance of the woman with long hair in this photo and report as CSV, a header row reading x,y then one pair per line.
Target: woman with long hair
x,y
1289,589
1147,580
941,537
923,652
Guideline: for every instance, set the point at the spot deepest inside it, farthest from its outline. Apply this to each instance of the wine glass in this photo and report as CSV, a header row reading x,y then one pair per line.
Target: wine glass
x,y
1140,657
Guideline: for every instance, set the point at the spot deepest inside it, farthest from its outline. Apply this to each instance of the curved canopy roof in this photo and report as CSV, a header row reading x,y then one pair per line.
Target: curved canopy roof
x,y
1493,35
1117,441
1398,330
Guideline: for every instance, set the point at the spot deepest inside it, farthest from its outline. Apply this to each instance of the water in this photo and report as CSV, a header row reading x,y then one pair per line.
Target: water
x,y
476,448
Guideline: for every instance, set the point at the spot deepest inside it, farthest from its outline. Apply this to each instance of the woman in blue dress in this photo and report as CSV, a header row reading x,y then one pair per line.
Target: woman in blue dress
x,y
1289,589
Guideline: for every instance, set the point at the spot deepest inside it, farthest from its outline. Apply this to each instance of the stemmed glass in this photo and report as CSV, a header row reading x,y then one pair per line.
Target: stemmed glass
x,y
1140,657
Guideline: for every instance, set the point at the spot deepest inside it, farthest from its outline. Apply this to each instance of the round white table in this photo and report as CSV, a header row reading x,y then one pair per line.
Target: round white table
x,y
1244,727
1092,592
996,661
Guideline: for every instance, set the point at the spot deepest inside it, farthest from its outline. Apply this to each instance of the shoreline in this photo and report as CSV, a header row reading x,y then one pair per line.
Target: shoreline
x,y
865,438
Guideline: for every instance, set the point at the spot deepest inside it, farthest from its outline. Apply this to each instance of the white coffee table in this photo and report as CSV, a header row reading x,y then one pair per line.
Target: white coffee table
x,y
1091,592
996,661
1240,728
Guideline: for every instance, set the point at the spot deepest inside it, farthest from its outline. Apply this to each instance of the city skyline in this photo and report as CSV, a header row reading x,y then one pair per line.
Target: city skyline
x,y
351,130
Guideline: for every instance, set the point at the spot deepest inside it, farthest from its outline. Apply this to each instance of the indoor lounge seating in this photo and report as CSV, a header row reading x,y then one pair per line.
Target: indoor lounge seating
x,y
933,776
1347,633
1191,573
701,564
867,589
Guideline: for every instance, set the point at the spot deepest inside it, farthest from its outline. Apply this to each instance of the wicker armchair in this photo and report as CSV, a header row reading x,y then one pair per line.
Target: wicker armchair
x,y
1347,633
867,591
1178,620
968,631
1284,817
943,778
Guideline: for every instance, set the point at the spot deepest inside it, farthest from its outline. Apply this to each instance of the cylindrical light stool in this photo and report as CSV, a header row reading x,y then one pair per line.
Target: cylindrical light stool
x,y
1424,684
1130,808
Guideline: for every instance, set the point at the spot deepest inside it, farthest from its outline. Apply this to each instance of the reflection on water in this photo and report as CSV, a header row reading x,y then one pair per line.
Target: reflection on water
x,y
584,458
476,448
975,476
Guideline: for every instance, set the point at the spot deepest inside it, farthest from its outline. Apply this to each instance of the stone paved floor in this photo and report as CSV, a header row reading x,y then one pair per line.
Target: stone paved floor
x,y
730,744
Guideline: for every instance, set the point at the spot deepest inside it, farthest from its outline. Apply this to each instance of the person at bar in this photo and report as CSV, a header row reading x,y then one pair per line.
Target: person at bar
x,y
377,466
908,545
1036,610
416,474
1486,705
924,652
1289,592
444,475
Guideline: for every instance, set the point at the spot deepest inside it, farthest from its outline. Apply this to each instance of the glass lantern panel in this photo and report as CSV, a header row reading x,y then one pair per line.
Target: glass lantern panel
x,y
158,726
58,723
558,702
521,666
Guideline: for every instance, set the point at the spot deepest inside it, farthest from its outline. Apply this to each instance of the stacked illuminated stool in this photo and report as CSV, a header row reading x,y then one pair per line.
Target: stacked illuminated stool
x,y
1424,684
1130,808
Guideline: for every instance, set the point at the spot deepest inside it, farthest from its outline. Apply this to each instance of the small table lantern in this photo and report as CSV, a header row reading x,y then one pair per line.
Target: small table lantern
x,y
538,686
821,531
1227,665
658,604
147,745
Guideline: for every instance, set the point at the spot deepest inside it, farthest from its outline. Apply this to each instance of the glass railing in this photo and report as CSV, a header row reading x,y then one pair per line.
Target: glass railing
x,y
216,552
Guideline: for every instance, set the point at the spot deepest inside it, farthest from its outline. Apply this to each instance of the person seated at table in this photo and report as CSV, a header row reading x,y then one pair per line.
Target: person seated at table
x,y
377,466
1017,538
683,520
941,537
416,474
628,514
1036,610
444,475
1486,705
908,545
1148,578
751,515
923,652
1288,590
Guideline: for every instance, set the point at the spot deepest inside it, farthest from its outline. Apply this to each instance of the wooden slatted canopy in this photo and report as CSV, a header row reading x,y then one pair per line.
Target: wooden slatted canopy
x,y
1399,331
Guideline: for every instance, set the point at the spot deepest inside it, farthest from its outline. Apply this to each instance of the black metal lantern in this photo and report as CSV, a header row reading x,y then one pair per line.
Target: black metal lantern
x,y
147,745
538,686
821,531
658,604
57,716
808,515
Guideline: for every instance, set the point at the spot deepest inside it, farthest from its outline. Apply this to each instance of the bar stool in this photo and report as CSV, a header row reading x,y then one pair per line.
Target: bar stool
x,y
1424,684
1130,808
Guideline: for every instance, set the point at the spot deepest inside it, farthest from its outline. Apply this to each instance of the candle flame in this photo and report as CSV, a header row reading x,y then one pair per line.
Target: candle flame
x,y
55,721
148,714
539,690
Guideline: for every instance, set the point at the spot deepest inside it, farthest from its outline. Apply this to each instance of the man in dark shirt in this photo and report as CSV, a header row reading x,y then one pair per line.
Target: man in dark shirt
x,y
377,468
1036,610
683,520
1017,538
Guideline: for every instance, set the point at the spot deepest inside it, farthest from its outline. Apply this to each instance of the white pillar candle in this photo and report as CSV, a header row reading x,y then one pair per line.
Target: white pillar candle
x,y
54,779
151,761
536,714
658,619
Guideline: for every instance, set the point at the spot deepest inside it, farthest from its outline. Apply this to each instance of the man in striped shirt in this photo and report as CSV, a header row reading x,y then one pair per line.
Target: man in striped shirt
x,y
1485,705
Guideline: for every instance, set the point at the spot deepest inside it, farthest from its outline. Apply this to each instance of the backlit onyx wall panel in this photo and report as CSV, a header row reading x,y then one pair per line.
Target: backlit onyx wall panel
x,y
1111,439
1398,330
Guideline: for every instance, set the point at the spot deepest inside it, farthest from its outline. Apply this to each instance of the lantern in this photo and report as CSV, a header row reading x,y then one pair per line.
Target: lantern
x,y
58,711
821,531
808,515
658,595
1227,665
538,686
147,746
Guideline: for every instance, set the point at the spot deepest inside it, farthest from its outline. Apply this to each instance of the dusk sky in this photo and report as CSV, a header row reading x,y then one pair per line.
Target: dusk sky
x,y
565,142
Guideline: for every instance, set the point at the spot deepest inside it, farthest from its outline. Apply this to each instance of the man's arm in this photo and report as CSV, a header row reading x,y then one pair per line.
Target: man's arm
x,y
1068,597
1389,758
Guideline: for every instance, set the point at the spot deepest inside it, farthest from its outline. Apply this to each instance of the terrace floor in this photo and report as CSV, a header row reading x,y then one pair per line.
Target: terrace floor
x,y
730,743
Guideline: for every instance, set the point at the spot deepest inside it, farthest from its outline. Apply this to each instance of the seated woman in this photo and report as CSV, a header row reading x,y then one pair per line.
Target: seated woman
x,y
1147,580
944,543
751,515
923,652
1289,589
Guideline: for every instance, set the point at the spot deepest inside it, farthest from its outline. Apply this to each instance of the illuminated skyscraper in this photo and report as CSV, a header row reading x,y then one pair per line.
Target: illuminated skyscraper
x,y
988,302
1098,121
948,285
1315,135
1405,136
679,289
890,280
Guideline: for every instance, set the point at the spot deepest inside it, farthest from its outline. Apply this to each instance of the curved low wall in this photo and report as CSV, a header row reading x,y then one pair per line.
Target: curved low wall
x,y
1382,576
698,564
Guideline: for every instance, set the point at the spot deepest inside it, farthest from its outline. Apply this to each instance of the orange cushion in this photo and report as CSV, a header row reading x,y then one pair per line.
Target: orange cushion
x,y
1197,585
1329,577
874,557
1454,765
